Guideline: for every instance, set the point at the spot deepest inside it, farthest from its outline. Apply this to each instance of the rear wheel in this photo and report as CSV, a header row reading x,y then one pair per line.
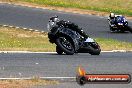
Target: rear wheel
x,y
122,31
112,29
58,50
65,45
129,29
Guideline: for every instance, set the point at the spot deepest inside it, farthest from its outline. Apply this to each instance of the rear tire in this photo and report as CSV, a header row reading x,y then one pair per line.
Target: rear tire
x,y
58,50
111,29
129,29
65,45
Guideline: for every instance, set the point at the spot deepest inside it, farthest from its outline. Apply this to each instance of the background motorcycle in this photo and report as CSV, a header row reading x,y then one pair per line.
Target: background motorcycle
x,y
120,24
70,42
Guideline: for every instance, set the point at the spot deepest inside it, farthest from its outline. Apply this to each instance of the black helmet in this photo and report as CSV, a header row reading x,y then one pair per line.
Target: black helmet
x,y
54,19
52,22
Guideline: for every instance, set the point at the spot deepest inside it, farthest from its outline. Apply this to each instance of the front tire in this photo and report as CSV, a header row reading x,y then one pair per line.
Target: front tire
x,y
94,49
65,45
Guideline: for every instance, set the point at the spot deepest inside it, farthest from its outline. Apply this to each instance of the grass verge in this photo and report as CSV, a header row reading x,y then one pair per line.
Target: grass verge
x,y
12,39
111,44
22,40
117,6
25,83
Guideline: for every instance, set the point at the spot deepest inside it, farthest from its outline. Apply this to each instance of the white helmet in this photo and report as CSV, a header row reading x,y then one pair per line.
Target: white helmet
x,y
112,15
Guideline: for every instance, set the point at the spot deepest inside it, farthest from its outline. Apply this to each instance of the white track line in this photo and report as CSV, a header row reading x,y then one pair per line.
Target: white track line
x,y
55,52
5,25
58,77
25,28
23,52
28,78
31,29
17,27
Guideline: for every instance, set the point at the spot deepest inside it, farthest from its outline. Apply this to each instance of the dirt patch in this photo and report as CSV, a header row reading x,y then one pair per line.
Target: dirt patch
x,y
25,83
72,10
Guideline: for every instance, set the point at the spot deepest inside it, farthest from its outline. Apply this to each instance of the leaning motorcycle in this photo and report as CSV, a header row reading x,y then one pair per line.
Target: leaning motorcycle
x,y
120,25
70,42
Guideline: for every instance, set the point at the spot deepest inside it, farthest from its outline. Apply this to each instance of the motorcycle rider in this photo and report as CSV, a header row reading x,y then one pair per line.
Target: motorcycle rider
x,y
112,18
68,24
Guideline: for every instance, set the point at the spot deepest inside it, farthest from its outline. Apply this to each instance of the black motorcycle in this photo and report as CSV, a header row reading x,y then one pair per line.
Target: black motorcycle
x,y
120,24
69,41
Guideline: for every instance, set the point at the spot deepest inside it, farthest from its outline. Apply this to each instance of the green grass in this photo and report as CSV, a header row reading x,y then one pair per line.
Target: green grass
x,y
111,44
21,40
117,6
14,39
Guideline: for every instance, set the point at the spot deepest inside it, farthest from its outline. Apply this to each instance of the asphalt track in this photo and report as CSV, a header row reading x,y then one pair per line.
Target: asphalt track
x,y
53,65
35,18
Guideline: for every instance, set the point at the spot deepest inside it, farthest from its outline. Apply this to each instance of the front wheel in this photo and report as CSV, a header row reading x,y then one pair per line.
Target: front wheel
x,y
94,48
65,45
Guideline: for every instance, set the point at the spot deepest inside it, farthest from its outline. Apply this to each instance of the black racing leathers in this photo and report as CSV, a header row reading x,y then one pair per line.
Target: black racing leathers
x,y
72,26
